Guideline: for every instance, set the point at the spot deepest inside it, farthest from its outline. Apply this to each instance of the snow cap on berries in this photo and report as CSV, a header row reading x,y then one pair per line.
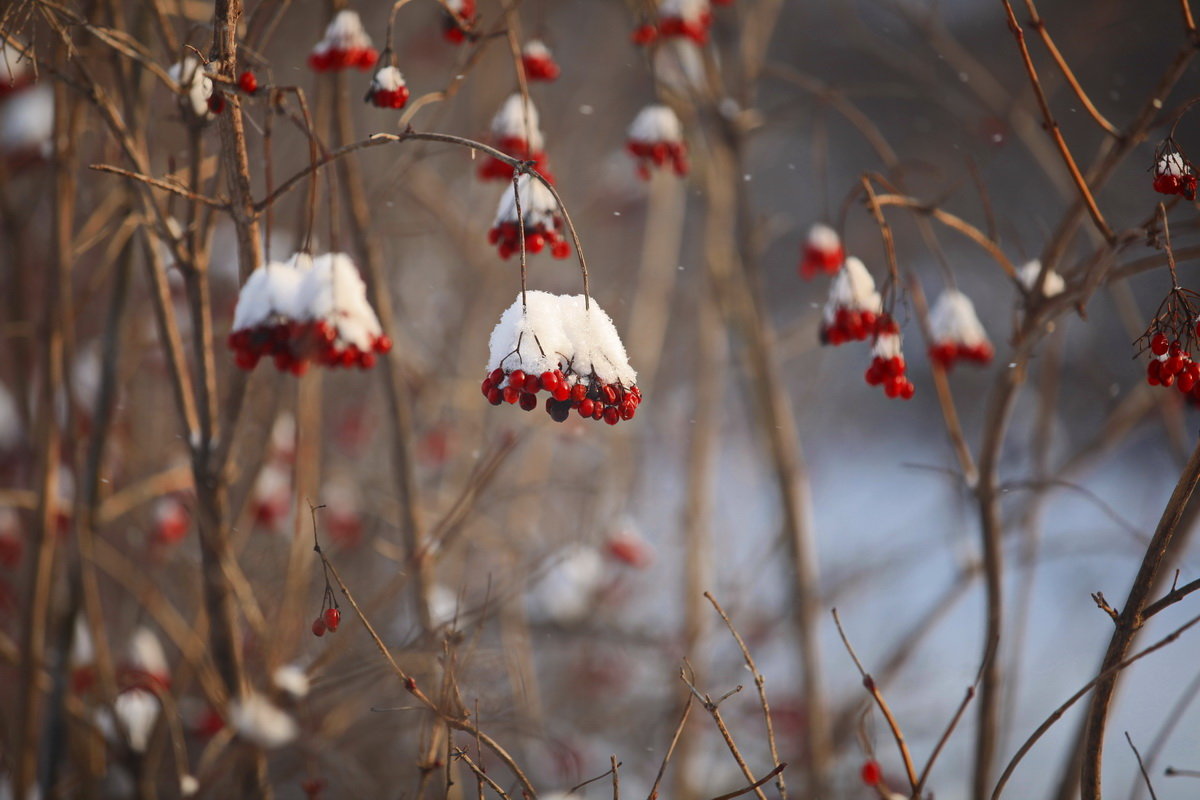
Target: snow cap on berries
x,y
953,320
690,10
823,251
568,334
333,291
388,89
517,121
270,292
195,84
256,719
1171,164
138,710
853,288
1028,275
887,345
538,206
145,655
538,61
345,44
27,123
291,680
656,123
564,594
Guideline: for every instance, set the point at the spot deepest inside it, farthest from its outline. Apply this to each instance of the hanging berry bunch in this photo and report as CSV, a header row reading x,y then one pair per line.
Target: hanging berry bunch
x,y
1173,173
853,308
1171,339
329,617
957,331
567,347
538,62
689,19
888,368
515,131
1052,285
197,100
822,252
345,45
387,89
542,221
458,21
307,309
655,138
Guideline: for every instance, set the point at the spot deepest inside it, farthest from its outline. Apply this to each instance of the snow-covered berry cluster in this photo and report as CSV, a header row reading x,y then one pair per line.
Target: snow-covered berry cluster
x,y
854,307
688,19
538,61
957,331
1171,365
822,252
307,309
655,138
559,345
459,20
543,223
888,368
1174,174
387,89
197,98
345,45
515,130
1027,275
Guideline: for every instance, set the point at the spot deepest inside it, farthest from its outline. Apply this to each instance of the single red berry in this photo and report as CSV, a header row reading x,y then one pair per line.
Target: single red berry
x,y
516,378
871,774
549,381
531,384
578,392
511,394
333,618
216,103
496,376
1166,184
528,401
248,82
1158,345
586,408
383,344
318,627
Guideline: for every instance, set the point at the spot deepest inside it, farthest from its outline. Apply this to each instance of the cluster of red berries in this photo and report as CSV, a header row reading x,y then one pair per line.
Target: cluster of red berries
x,y
1173,366
667,27
507,238
455,25
292,345
1174,174
335,59
493,169
822,253
592,398
389,98
890,373
947,353
539,64
852,325
658,154
328,620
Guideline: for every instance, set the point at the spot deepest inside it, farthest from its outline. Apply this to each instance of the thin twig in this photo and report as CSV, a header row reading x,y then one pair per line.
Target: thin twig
x,y
1141,766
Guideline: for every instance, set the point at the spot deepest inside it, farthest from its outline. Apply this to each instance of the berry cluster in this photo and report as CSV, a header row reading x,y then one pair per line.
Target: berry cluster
x,y
171,521
538,62
887,363
328,620
515,131
567,347
306,310
854,309
345,45
1171,365
655,138
460,20
957,331
387,89
1174,174
688,19
542,221
198,100
822,252
591,397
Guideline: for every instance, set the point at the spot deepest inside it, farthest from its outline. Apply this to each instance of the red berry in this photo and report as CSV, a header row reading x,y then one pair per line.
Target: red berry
x,y
216,103
516,378
318,627
495,396
383,344
1158,345
531,384
611,415
511,394
487,387
333,618
1166,184
248,82
586,407
496,376
871,774
561,392
528,401
549,381
1173,365
578,392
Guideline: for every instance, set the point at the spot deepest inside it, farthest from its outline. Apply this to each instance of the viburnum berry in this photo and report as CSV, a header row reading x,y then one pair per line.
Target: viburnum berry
x,y
459,20
543,222
853,309
1173,173
690,19
887,363
344,45
957,331
387,89
248,82
538,61
319,627
1158,344
332,618
871,773
515,131
822,252
553,344
655,138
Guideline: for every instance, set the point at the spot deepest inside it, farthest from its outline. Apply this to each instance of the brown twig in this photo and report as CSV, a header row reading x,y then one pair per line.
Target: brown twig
x,y
662,767
1141,766
713,708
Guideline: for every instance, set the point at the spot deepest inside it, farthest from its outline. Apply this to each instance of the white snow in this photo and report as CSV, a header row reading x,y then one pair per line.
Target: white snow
x,y
852,288
538,206
568,335
823,238
510,122
564,594
334,291
387,79
27,121
691,10
656,123
82,651
146,653
1171,164
256,719
443,605
137,709
1028,274
953,319
14,66
188,785
195,85
344,32
292,680
536,49
887,346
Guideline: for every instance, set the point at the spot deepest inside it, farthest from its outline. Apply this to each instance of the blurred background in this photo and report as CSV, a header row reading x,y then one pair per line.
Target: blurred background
x,y
548,578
